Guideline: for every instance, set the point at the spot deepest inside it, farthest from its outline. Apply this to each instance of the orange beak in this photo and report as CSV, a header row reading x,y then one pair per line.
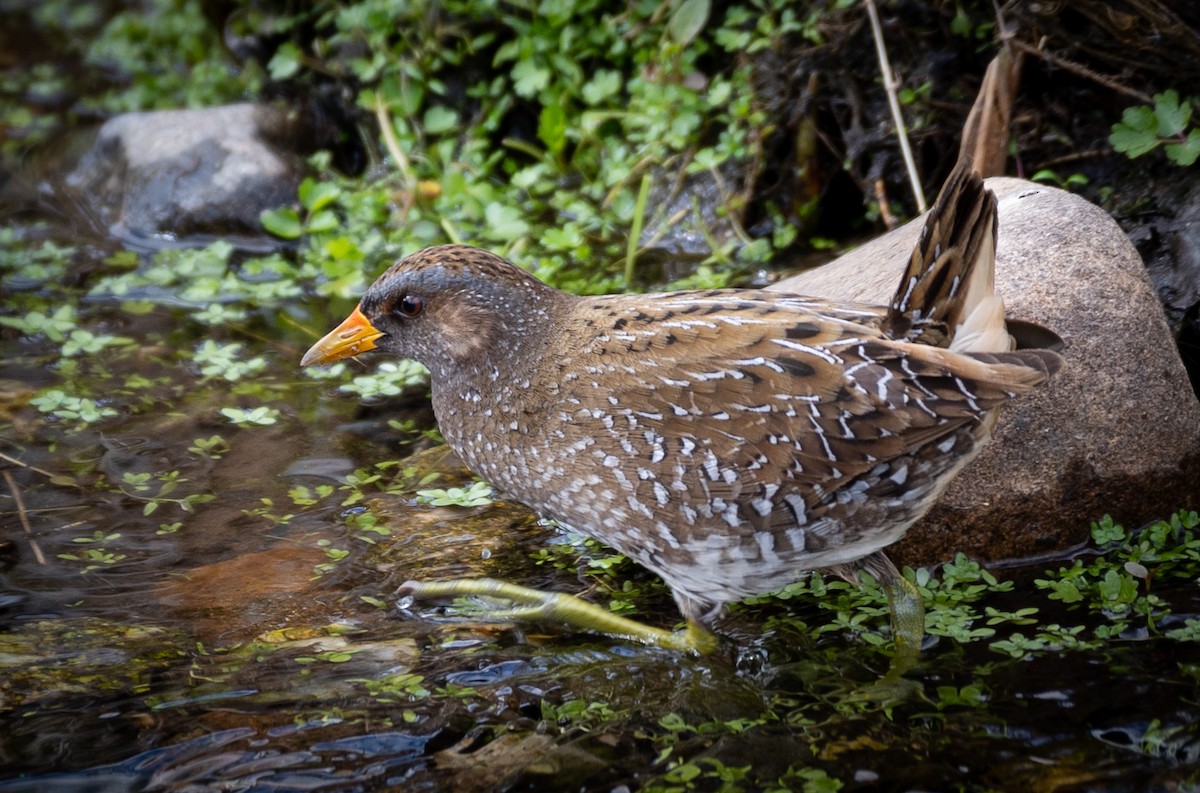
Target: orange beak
x,y
353,336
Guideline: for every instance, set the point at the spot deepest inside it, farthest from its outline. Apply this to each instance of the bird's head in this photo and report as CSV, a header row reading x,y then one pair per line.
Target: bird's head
x,y
448,307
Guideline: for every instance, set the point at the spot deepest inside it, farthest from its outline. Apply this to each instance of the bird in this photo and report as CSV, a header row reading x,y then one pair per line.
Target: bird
x,y
729,440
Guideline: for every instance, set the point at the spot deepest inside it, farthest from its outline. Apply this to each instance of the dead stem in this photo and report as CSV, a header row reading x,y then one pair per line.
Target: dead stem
x,y
20,502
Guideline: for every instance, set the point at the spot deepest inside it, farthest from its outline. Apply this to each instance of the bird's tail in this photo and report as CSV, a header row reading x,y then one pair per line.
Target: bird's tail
x,y
947,295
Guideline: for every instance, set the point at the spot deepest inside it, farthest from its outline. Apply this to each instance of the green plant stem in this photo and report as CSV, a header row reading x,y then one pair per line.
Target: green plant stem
x,y
635,233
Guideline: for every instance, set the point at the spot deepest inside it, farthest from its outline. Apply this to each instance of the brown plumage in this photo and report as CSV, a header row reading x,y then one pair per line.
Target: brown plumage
x,y
729,439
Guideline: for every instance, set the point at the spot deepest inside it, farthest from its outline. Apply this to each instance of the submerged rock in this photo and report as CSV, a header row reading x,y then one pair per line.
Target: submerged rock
x,y
46,663
1118,429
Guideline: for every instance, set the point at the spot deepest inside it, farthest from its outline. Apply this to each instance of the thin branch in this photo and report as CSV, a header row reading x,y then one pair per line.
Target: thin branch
x,y
393,145
885,206
1074,156
20,502
889,85
1082,71
15,461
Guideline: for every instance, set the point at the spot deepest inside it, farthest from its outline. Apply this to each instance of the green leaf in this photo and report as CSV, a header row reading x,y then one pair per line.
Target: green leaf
x,y
1107,531
552,127
604,83
1066,591
283,222
439,119
529,79
961,24
1140,118
315,195
325,220
285,62
260,415
687,20
1187,152
1172,116
562,238
1117,589
1132,142
504,223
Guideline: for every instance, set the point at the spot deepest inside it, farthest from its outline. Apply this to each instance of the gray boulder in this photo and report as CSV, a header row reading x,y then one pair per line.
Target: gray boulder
x,y
174,177
1117,431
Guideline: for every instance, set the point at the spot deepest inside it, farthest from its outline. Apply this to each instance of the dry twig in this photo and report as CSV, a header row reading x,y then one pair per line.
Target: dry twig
x,y
20,502
889,85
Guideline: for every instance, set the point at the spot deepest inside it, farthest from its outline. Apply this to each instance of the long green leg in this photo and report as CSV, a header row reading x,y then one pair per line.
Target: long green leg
x,y
908,622
531,605
907,613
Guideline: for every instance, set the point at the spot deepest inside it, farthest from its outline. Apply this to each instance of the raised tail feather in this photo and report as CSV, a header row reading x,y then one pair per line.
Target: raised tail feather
x,y
946,297
1020,370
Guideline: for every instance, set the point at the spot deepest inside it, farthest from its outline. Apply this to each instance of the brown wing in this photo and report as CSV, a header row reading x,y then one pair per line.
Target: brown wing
x,y
765,407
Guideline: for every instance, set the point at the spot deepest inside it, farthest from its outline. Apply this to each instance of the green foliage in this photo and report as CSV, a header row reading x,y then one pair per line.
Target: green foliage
x,y
607,569
54,327
1118,583
1048,176
621,106
578,714
1143,129
403,687
477,494
66,407
1190,632
1114,588
390,378
155,54
168,56
226,361
262,416
93,553
155,490
24,265
807,780
207,277
316,198
213,448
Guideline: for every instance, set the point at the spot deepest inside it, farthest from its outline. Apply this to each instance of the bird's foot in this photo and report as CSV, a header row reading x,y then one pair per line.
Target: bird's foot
x,y
502,601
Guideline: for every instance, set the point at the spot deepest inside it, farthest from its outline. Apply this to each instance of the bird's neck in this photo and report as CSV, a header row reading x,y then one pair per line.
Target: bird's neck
x,y
500,379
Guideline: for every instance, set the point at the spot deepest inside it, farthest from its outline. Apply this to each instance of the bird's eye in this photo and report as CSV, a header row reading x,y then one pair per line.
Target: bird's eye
x,y
409,306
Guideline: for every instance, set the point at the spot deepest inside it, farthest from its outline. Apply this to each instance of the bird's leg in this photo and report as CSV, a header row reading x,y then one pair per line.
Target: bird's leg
x,y
531,605
908,623
905,607
907,612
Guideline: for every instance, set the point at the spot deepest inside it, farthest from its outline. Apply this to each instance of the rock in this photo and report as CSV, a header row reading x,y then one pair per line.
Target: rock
x,y
499,763
238,597
49,663
173,176
1176,272
1117,431
1169,241
686,214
